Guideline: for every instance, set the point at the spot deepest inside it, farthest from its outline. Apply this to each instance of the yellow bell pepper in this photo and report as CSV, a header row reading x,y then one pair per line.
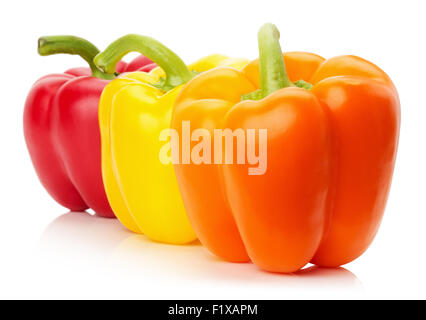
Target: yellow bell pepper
x,y
134,109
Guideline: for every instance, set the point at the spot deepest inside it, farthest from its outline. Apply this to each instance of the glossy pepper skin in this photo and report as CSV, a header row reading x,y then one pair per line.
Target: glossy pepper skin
x,y
61,127
331,151
134,109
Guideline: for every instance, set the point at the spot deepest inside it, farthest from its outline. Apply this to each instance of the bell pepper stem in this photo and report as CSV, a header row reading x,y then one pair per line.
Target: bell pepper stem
x,y
72,45
177,72
273,75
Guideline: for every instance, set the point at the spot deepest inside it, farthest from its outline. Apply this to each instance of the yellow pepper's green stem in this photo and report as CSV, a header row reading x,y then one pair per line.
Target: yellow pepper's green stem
x,y
177,72
273,75
72,45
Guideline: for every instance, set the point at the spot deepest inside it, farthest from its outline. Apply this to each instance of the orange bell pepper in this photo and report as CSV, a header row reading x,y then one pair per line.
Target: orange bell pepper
x,y
331,147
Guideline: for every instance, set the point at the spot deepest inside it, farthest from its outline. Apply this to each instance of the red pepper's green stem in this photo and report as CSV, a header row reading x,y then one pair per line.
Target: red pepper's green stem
x,y
72,45
177,72
273,75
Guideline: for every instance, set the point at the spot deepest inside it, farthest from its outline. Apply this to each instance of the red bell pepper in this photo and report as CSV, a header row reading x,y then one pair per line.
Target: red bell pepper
x,y
62,130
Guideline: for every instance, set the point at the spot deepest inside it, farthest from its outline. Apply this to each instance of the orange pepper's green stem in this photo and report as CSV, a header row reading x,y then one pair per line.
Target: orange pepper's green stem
x,y
72,45
273,75
177,72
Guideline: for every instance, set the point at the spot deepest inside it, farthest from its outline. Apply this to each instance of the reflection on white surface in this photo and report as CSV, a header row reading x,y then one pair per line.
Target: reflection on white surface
x,y
92,243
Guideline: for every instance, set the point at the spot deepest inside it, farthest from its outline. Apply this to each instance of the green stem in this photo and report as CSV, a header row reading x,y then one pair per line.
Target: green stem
x,y
177,72
72,45
273,75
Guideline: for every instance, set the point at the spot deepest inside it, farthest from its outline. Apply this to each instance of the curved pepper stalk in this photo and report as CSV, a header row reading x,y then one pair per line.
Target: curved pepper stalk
x,y
177,72
73,45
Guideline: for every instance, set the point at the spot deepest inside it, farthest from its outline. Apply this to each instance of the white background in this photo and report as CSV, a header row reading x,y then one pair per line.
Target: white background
x,y
47,253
